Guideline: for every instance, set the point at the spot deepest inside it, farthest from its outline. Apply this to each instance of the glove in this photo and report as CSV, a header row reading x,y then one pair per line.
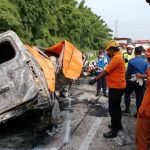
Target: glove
x,y
133,78
137,80
92,81
140,82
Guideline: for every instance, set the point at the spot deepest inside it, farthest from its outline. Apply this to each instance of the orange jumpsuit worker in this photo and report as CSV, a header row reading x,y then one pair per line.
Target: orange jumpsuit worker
x,y
143,120
115,72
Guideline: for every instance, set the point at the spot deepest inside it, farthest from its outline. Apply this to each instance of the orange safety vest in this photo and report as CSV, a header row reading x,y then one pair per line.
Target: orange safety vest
x,y
145,106
116,72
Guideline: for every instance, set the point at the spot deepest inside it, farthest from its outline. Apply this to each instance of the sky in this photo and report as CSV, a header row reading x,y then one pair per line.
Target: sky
x,y
127,18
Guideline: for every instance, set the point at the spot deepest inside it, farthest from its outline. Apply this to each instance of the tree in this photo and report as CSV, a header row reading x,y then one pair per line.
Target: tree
x,y
46,22
9,17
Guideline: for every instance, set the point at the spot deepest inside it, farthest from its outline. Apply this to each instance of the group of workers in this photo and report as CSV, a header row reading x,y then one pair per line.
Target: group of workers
x,y
124,74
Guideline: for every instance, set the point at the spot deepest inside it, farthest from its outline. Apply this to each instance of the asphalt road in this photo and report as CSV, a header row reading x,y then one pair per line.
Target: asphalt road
x,y
84,118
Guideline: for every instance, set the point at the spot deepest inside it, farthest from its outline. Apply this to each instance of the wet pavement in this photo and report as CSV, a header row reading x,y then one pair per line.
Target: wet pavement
x,y
84,118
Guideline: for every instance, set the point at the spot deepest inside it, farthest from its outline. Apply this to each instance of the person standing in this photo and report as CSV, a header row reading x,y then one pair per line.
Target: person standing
x,y
128,54
143,118
115,72
136,66
100,65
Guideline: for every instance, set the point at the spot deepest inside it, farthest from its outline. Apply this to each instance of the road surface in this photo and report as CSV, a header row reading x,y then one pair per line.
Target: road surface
x,y
84,118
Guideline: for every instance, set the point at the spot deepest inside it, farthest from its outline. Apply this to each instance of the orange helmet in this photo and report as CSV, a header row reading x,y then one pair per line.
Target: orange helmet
x,y
147,53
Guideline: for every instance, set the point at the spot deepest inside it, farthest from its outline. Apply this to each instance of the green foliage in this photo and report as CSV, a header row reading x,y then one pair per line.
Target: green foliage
x,y
93,58
9,16
46,22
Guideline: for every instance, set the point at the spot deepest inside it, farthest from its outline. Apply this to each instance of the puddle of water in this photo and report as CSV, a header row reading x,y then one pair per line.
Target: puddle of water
x,y
68,130
97,109
53,148
68,124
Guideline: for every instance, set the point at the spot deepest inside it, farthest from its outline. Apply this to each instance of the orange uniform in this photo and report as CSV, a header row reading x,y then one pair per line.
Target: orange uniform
x,y
116,72
143,120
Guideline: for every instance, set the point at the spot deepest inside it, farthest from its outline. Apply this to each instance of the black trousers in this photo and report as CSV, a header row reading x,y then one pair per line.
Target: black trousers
x,y
115,108
139,92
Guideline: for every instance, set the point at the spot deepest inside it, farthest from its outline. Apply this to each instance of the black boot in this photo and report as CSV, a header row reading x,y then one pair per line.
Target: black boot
x,y
98,93
127,110
104,93
120,128
110,134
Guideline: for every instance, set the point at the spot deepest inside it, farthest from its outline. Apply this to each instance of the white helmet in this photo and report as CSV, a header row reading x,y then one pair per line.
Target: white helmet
x,y
130,46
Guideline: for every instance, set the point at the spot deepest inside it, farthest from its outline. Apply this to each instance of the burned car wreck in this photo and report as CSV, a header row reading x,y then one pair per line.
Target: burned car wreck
x,y
28,77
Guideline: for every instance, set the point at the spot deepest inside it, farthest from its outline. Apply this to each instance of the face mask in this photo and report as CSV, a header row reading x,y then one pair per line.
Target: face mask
x,y
100,56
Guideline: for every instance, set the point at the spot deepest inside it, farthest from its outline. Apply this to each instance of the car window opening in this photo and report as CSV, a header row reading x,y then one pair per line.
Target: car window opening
x,y
7,52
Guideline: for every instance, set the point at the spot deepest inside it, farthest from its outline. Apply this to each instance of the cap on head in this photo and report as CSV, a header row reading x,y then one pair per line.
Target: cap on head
x,y
111,43
147,53
130,46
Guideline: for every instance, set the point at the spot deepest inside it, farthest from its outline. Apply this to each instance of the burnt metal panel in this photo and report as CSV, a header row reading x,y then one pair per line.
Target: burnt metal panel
x,y
21,77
